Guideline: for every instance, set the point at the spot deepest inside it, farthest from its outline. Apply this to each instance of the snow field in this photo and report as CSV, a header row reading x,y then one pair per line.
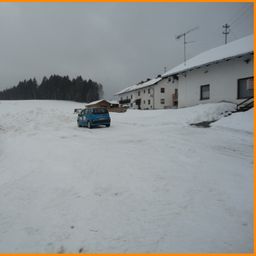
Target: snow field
x,y
149,183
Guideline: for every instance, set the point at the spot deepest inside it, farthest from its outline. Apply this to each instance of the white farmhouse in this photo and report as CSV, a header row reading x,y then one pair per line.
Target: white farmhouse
x,y
157,93
224,73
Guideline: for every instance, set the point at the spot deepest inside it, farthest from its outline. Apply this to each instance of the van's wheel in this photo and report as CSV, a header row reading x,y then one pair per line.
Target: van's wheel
x,y
89,125
78,124
107,125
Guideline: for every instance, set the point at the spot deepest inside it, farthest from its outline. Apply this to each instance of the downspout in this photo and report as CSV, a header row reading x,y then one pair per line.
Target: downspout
x,y
153,97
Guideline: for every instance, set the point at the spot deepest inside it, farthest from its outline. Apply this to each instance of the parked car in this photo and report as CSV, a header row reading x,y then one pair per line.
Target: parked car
x,y
93,117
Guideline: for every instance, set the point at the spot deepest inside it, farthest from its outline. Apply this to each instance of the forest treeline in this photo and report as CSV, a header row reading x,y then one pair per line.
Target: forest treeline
x,y
55,88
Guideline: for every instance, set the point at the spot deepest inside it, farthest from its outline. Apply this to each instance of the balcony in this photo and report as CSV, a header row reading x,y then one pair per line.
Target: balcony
x,y
126,101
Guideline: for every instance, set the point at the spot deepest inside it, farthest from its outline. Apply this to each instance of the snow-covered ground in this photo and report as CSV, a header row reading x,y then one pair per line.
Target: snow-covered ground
x,y
149,183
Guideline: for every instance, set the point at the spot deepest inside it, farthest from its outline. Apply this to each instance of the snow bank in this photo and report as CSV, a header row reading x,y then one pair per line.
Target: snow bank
x,y
208,112
183,116
239,121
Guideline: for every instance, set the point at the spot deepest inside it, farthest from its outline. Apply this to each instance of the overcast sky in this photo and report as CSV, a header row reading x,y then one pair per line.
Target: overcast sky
x,y
116,44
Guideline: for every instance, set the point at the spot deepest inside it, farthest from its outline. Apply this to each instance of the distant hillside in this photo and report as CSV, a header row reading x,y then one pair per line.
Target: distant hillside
x,y
55,88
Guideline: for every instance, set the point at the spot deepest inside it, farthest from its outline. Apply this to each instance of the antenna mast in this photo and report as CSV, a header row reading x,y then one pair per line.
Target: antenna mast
x,y
185,42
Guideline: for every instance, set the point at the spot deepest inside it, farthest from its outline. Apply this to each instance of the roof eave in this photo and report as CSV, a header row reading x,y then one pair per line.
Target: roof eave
x,y
205,64
140,88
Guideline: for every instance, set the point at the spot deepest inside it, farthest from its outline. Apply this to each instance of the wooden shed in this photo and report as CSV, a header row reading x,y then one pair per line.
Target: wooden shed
x,y
98,104
111,106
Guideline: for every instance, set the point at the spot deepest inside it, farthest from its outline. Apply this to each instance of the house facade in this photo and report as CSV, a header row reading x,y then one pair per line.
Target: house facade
x,y
224,73
157,93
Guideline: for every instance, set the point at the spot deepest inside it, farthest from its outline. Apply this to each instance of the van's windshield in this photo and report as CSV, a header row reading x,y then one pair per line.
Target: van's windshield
x,y
99,111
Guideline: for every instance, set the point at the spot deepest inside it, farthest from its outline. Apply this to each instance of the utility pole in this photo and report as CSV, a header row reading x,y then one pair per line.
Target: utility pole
x,y
226,32
185,42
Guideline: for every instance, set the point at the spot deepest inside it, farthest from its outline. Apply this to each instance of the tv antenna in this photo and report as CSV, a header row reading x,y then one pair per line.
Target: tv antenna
x,y
186,42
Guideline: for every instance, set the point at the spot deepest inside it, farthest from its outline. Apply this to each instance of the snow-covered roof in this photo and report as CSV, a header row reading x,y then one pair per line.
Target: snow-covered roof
x,y
95,102
113,101
98,101
141,85
233,49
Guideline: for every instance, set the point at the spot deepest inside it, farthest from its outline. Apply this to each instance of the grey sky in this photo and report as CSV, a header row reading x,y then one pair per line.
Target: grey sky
x,y
117,44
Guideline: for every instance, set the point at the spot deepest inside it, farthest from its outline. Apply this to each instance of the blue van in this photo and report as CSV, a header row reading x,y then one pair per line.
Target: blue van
x,y
92,117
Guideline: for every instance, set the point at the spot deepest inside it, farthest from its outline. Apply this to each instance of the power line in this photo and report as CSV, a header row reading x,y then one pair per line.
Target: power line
x,y
234,34
246,18
230,20
241,15
227,27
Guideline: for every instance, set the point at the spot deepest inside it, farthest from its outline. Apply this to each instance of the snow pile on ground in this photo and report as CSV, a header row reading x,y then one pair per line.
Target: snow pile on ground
x,y
208,112
149,183
184,116
239,121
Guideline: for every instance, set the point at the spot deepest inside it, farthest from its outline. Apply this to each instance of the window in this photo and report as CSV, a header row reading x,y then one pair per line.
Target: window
x,y
162,101
205,92
144,91
144,102
131,96
148,91
138,93
162,90
148,102
99,111
245,88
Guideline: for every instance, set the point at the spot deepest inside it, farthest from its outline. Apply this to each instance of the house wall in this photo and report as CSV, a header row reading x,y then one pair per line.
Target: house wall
x,y
222,77
151,96
146,97
169,86
124,96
